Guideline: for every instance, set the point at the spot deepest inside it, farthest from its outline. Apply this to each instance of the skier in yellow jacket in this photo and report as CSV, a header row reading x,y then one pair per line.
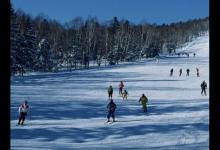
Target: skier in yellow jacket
x,y
143,99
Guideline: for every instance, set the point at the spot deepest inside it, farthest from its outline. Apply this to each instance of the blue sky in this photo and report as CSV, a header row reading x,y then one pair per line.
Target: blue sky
x,y
136,11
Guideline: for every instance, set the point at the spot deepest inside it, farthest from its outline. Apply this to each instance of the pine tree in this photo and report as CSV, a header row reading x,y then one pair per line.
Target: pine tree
x,y
45,56
23,45
30,46
15,40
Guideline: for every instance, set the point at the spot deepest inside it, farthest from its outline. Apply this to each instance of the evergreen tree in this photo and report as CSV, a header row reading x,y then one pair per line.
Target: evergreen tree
x,y
23,45
45,56
15,40
30,46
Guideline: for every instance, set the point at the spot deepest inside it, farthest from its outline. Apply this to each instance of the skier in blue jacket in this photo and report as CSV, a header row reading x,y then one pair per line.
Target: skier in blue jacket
x,y
111,110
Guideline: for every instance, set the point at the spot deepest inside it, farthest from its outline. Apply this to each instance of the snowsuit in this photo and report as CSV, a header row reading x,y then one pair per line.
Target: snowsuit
x,y
203,87
111,110
110,92
121,86
125,95
187,72
23,110
143,99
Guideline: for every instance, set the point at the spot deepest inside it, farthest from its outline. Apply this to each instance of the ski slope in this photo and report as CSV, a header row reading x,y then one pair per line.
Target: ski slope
x,y
68,109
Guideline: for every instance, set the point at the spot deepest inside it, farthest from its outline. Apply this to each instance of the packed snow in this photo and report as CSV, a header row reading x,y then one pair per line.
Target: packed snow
x,y
68,109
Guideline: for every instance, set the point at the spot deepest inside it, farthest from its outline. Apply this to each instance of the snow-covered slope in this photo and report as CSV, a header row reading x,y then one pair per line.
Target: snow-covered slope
x,y
68,109
198,46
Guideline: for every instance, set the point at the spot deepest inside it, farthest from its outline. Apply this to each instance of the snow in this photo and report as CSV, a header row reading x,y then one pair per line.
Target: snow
x,y
68,109
197,46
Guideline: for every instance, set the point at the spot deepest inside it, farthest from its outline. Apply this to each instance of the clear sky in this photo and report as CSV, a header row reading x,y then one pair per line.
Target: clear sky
x,y
136,11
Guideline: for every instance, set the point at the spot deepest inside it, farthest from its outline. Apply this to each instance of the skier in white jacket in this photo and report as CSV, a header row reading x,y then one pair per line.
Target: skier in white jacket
x,y
23,110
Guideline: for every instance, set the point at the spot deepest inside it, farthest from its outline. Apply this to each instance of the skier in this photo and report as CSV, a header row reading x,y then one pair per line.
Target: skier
x,y
143,99
111,110
125,95
121,86
180,72
187,72
194,54
171,72
110,91
203,87
197,72
23,110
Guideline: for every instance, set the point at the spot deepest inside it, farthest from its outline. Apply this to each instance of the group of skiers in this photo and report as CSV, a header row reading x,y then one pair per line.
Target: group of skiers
x,y
112,106
187,72
122,91
143,99
24,107
203,84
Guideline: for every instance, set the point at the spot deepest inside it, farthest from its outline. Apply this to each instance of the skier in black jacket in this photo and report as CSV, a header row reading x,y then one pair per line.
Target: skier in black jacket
x,y
110,91
203,87
187,72
171,72
180,72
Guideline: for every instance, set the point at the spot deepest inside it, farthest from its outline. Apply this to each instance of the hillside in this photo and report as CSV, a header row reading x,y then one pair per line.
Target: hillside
x,y
68,109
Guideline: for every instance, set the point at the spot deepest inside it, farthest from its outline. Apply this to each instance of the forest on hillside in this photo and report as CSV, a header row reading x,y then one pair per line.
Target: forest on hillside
x,y
42,44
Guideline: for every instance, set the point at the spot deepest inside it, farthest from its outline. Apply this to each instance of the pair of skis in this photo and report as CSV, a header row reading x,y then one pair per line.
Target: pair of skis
x,y
110,122
21,125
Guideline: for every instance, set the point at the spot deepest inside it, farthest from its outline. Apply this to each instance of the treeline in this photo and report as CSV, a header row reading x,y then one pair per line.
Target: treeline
x,y
42,44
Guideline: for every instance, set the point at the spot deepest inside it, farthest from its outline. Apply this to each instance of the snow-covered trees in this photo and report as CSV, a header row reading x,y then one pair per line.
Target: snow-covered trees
x,y
78,42
15,40
72,57
30,46
45,56
23,44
